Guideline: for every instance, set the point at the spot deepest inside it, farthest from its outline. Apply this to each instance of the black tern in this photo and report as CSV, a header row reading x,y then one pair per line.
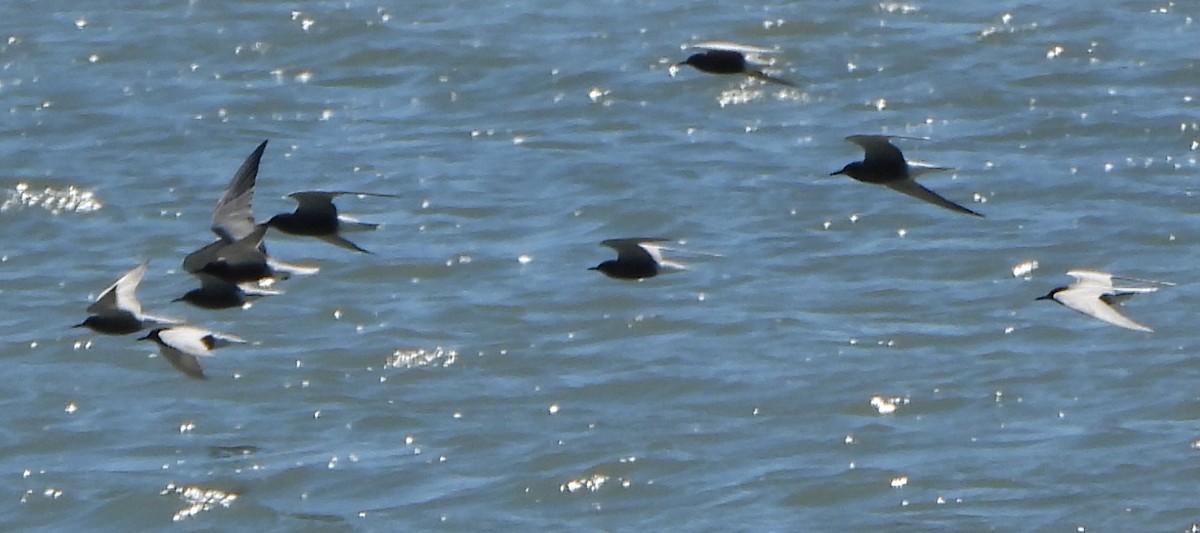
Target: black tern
x,y
316,216
239,254
637,258
1094,294
233,218
216,293
721,57
117,310
245,261
239,261
181,345
885,165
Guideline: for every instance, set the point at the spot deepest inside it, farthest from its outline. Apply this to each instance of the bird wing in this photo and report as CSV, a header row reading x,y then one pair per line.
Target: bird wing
x,y
313,198
335,194
233,219
726,46
655,251
120,295
321,202
1140,280
183,362
342,242
1105,280
241,263
916,190
767,77
635,249
879,150
209,253
186,339
1091,277
159,320
1086,300
246,250
654,248
326,196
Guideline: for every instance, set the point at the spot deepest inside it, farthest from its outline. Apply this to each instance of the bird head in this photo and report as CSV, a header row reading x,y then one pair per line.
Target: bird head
x,y
152,336
691,60
1050,295
848,170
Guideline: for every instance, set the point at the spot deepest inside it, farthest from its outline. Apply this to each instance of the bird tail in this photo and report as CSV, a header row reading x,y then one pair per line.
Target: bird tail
x,y
919,168
350,225
290,268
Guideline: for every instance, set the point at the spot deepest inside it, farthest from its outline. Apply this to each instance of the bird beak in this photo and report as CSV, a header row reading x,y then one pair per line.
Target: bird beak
x,y
843,171
79,325
592,268
1044,297
146,338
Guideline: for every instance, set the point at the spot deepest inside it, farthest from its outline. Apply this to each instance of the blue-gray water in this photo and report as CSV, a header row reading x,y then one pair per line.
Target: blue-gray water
x,y
473,375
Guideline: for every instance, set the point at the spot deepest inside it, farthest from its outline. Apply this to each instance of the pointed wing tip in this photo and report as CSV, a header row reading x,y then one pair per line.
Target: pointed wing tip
x,y
760,75
881,137
911,188
730,46
631,241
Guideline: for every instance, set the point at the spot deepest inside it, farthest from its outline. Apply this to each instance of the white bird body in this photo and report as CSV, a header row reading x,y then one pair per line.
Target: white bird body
x,y
1094,294
182,344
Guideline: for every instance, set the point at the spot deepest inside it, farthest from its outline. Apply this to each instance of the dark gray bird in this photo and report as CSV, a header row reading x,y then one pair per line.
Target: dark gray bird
x,y
1094,294
216,293
721,57
316,216
885,165
238,261
239,254
117,310
637,258
243,261
233,222
181,345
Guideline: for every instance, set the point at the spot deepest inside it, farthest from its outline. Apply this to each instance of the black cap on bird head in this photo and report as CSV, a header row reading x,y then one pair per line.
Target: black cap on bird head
x,y
1050,295
152,336
848,170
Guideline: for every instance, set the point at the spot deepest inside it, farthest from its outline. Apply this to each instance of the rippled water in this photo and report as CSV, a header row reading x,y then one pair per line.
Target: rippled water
x,y
837,357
